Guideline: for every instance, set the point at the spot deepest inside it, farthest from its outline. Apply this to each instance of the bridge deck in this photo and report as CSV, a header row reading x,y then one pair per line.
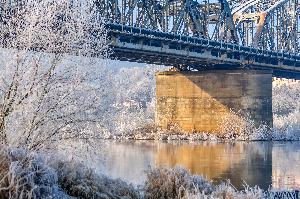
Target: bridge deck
x,y
148,46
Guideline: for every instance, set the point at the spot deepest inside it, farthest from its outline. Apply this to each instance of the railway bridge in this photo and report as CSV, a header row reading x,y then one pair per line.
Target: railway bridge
x,y
225,52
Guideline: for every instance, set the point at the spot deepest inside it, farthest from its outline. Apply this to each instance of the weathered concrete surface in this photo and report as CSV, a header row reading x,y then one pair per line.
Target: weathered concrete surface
x,y
198,101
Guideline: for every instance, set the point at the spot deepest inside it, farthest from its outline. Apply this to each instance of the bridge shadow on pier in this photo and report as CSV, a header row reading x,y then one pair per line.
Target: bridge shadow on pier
x,y
199,101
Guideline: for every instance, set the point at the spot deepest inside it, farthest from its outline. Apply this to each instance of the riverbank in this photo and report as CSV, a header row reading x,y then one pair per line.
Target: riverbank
x,y
261,133
28,174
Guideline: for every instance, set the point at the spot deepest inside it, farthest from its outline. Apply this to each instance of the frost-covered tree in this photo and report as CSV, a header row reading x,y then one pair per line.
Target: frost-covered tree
x,y
48,86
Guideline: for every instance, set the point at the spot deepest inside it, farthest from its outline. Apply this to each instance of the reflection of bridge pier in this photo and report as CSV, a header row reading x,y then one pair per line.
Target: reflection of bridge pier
x,y
242,162
198,101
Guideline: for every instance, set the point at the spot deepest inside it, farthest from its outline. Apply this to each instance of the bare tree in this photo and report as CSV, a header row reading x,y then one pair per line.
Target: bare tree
x,y
48,88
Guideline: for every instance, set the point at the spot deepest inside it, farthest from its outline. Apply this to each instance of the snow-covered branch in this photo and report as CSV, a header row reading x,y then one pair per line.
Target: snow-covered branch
x,y
48,83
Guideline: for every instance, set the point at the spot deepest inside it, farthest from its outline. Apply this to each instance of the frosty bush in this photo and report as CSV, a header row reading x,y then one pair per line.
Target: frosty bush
x,y
48,84
286,99
179,183
24,174
235,126
173,183
77,180
129,98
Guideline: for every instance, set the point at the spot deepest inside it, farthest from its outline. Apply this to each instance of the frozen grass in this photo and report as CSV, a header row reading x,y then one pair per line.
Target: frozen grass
x,y
290,131
174,183
286,127
26,174
227,191
178,183
79,181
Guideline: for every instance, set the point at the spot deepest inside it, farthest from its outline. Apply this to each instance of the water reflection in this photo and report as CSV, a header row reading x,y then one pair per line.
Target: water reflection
x,y
239,162
286,165
254,163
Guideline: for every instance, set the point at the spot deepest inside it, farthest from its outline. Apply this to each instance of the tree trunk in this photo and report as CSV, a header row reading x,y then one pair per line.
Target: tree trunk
x,y
3,138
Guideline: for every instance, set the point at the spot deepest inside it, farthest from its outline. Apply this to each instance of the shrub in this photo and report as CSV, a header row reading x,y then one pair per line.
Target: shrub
x,y
173,183
81,182
24,174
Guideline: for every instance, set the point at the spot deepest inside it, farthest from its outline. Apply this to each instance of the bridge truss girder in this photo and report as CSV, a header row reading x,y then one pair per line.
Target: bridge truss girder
x,y
263,24
186,17
268,24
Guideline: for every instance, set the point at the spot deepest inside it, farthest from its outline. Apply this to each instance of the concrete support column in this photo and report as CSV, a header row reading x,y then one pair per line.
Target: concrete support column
x,y
198,101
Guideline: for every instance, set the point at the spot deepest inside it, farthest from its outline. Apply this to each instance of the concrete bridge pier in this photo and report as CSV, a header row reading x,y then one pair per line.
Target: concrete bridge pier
x,y
200,101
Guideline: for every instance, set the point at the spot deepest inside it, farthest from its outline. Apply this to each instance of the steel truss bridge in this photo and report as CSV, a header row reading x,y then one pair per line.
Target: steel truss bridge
x,y
203,34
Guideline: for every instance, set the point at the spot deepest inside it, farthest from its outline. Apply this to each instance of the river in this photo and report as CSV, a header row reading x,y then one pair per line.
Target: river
x,y
266,164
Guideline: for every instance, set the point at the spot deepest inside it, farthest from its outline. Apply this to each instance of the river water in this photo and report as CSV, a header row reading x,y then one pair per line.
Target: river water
x,y
265,164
